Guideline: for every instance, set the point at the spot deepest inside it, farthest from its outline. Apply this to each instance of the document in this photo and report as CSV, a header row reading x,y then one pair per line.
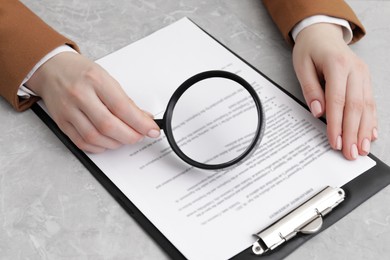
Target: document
x,y
213,214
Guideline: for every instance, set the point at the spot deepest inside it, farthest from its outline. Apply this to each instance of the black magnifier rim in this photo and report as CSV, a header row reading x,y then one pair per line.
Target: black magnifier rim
x,y
167,118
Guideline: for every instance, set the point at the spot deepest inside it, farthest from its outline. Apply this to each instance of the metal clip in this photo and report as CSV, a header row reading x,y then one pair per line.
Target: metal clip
x,y
306,219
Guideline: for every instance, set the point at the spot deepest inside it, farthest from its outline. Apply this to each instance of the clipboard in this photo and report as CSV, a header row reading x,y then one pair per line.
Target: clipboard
x,y
356,191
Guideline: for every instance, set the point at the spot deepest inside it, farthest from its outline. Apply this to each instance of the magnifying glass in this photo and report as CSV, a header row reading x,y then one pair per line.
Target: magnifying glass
x,y
213,120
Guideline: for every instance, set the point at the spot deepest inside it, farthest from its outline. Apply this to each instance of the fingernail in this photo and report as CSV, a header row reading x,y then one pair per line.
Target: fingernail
x,y
354,151
154,133
366,145
316,108
339,143
375,133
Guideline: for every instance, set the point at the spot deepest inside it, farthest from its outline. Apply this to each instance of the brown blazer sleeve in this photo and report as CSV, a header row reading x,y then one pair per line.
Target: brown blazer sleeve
x,y
24,40
287,13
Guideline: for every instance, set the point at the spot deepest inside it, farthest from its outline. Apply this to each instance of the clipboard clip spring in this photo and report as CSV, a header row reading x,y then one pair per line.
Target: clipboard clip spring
x,y
306,219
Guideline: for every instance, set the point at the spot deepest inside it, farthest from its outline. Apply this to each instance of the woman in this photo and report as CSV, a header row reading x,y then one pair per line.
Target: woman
x,y
92,109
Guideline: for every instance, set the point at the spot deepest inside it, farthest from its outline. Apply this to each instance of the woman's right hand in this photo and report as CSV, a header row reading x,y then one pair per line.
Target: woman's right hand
x,y
88,105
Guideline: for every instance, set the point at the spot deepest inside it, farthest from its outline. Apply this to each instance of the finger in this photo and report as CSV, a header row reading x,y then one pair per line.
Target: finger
x,y
108,124
89,133
368,122
336,80
374,133
76,138
311,87
124,108
149,114
353,112
365,133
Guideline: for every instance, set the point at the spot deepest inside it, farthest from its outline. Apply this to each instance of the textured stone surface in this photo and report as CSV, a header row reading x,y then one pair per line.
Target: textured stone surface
x,y
52,208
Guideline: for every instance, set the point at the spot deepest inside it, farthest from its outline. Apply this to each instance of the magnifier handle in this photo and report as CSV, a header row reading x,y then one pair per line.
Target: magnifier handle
x,y
160,123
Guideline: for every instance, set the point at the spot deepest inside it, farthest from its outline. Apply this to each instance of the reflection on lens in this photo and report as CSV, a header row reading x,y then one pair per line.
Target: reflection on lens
x,y
214,121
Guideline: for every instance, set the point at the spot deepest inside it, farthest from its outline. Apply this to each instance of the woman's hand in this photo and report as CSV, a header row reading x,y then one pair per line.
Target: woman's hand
x,y
89,105
321,55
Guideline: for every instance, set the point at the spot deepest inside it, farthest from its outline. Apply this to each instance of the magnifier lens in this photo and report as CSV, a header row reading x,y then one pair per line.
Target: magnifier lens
x,y
214,121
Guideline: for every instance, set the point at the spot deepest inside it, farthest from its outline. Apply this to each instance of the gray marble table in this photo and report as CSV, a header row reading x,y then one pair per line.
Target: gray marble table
x,y
52,208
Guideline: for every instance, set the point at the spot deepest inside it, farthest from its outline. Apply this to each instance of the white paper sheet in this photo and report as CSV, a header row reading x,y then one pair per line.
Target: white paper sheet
x,y
207,214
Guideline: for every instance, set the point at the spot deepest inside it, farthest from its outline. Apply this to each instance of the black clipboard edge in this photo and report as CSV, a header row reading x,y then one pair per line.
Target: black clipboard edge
x,y
114,191
357,191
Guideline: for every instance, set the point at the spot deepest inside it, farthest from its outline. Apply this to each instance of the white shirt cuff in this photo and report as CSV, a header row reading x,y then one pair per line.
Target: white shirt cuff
x,y
347,31
25,92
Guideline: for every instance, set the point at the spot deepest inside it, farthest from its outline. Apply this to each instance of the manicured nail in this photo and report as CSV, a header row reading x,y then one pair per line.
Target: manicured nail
x,y
354,151
316,108
154,133
366,145
375,133
339,143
